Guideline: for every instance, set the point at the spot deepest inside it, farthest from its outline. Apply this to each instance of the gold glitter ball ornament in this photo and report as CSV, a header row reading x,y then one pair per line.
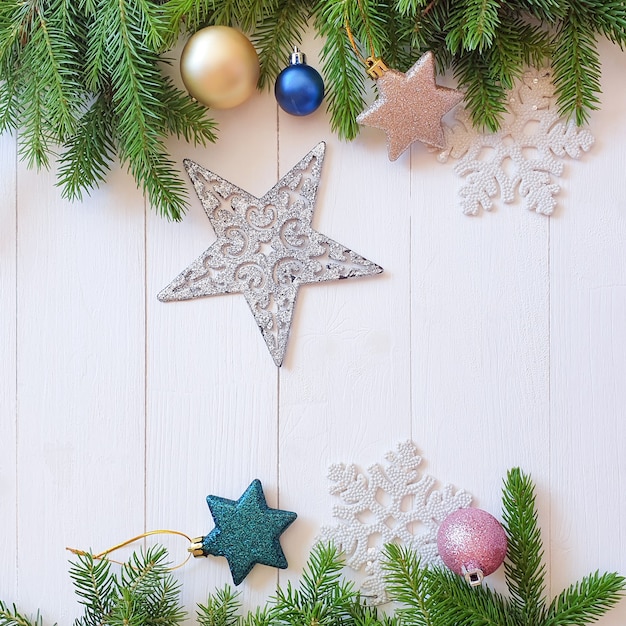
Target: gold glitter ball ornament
x,y
220,67
410,107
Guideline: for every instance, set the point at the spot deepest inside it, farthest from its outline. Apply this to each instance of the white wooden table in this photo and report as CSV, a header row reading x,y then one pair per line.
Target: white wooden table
x,y
491,342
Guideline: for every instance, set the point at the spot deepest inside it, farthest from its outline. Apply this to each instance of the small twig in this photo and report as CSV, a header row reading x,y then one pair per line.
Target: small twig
x,y
429,7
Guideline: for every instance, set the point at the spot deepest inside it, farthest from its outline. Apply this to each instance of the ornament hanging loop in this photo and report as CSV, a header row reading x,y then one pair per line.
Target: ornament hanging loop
x,y
149,533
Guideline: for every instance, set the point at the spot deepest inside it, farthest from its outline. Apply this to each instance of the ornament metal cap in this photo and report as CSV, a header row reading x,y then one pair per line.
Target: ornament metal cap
x,y
297,57
196,547
473,576
376,67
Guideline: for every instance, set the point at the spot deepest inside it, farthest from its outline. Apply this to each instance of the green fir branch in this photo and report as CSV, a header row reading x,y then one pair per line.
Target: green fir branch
x,y
13,22
406,582
454,601
10,616
139,110
186,15
34,137
586,601
251,12
221,609
261,616
144,593
88,7
276,33
225,13
535,43
398,35
411,7
54,63
343,71
153,25
485,95
322,597
94,585
429,31
576,65
8,104
369,26
85,163
185,118
610,20
525,571
549,11
162,606
322,573
474,24
144,572
97,53
506,55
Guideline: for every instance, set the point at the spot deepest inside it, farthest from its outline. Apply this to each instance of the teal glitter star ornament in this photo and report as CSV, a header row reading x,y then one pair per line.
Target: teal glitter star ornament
x,y
246,532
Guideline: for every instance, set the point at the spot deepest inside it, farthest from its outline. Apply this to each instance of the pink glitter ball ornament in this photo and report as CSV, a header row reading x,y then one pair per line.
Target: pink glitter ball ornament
x,y
472,543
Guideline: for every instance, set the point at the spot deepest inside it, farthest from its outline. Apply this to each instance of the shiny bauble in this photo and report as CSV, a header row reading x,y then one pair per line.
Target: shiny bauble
x,y
472,543
219,67
299,88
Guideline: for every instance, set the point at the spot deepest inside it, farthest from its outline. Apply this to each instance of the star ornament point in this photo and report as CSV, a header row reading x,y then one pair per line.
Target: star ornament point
x,y
247,532
410,107
266,247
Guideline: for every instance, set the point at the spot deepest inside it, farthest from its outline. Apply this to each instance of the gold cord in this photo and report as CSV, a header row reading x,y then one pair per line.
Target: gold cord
x,y
367,30
353,43
102,555
375,65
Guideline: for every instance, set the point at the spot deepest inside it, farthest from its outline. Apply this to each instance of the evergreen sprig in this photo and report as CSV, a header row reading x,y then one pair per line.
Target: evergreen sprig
x,y
524,567
84,82
322,598
144,593
221,609
437,597
408,581
10,616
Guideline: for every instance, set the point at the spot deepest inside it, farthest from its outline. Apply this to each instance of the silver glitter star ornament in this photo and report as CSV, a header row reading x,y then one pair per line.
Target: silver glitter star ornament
x,y
410,106
266,248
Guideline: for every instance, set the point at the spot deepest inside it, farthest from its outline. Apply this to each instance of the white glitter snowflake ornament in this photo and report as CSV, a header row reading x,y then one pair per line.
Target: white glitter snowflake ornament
x,y
395,504
525,154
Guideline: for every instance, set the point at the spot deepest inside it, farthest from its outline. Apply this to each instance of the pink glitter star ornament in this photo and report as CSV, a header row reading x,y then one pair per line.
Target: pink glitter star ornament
x,y
410,107
472,543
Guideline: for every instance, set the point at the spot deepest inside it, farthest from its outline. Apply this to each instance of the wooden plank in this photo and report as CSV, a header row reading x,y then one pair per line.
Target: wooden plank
x,y
480,332
345,386
212,391
80,380
8,408
588,348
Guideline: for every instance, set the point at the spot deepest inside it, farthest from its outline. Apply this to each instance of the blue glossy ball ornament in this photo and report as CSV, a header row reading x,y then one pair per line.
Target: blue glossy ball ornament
x,y
299,88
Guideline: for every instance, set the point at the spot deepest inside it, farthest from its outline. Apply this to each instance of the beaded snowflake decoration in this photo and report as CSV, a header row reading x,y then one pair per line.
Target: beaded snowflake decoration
x,y
392,504
524,155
